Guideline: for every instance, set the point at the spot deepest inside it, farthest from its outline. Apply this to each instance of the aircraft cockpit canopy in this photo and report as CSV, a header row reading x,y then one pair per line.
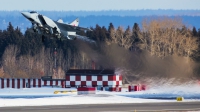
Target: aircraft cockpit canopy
x,y
33,12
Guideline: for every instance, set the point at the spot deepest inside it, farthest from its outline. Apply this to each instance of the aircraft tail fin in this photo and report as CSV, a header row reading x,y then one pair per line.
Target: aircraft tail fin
x,y
60,21
75,22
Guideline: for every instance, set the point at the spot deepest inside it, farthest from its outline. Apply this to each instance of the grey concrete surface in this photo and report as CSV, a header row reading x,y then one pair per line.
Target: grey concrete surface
x,y
129,107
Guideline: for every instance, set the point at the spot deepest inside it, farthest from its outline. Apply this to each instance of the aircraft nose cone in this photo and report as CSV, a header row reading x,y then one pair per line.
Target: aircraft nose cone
x,y
26,14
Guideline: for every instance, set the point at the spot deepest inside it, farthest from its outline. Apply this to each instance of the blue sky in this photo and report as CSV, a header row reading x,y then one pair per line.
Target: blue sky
x,y
97,5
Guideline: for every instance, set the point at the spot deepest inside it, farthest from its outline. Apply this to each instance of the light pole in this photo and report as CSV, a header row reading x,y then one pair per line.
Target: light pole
x,y
55,64
55,54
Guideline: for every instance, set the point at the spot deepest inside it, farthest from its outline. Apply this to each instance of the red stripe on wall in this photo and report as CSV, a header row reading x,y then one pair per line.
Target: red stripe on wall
x,y
113,89
68,78
39,82
83,83
2,83
86,89
114,77
77,78
63,84
24,83
117,83
88,78
110,78
94,83
34,82
72,83
120,78
29,82
13,83
99,78
18,83
8,83
45,83
51,83
120,89
57,82
105,83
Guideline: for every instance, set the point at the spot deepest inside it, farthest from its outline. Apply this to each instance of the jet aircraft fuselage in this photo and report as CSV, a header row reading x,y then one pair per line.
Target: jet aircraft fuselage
x,y
48,27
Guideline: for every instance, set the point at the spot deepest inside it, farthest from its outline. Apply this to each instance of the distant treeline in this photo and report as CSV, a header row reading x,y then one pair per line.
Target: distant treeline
x,y
102,18
144,12
24,55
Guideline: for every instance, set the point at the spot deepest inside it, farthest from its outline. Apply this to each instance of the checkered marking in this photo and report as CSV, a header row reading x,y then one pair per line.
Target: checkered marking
x,y
95,80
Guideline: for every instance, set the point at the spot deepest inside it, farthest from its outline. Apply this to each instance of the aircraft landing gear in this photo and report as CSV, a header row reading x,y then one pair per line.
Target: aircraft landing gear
x,y
34,27
35,30
60,39
43,38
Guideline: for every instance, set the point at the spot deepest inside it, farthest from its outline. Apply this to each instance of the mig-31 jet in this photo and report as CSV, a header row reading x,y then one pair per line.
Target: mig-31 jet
x,y
50,28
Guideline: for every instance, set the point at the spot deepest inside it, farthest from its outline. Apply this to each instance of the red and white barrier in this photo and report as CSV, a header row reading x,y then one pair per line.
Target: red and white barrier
x,y
143,87
12,83
26,83
86,90
117,89
137,87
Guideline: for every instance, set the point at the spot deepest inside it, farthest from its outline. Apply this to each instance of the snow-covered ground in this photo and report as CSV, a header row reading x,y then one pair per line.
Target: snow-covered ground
x,y
46,96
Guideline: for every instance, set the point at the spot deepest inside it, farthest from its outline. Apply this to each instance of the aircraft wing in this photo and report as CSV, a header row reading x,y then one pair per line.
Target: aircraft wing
x,y
79,37
84,38
67,27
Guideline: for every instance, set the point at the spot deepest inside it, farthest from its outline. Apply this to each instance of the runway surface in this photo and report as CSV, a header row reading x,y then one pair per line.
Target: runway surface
x,y
131,107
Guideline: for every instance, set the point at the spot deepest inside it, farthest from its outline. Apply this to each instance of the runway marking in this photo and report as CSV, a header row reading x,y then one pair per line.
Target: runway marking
x,y
113,111
50,107
164,110
144,111
192,109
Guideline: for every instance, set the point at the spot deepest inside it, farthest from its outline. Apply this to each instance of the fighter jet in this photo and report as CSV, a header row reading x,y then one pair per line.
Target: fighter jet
x,y
50,28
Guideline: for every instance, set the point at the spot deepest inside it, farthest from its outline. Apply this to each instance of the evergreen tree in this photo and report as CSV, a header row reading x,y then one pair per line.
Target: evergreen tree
x,y
110,28
31,43
198,33
135,32
194,31
97,33
90,34
10,34
103,34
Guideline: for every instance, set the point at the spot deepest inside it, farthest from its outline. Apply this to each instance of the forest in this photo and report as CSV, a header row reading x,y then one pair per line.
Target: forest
x,y
161,47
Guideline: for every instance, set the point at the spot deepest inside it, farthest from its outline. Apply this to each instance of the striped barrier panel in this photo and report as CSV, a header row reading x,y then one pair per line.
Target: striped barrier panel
x,y
27,83
137,87
12,83
86,90
117,89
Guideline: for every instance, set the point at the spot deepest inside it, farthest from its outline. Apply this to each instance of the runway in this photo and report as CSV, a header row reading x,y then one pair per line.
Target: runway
x,y
130,107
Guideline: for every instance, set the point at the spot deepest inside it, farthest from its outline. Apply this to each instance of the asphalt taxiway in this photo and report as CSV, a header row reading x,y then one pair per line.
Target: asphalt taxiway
x,y
128,107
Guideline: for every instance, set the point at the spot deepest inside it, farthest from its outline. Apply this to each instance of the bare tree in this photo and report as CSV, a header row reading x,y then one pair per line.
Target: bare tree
x,y
1,72
69,58
166,36
113,38
9,60
121,37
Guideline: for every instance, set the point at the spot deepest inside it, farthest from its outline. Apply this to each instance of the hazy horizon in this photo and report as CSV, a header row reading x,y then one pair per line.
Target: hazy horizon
x,y
95,5
149,12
